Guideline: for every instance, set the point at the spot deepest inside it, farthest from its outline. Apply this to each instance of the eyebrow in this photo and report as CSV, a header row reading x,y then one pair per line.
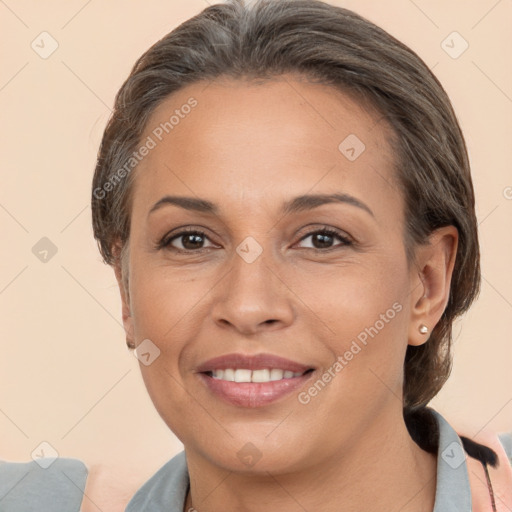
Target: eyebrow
x,y
297,204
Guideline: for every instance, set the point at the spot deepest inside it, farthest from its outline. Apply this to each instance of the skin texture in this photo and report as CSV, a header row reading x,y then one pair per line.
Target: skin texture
x,y
248,148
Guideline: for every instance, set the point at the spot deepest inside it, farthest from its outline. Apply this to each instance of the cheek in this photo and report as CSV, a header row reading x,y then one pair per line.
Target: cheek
x,y
168,310
162,313
348,298
161,303
365,314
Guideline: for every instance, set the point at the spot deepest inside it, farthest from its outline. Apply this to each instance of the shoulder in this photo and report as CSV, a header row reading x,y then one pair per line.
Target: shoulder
x,y
474,463
64,485
45,484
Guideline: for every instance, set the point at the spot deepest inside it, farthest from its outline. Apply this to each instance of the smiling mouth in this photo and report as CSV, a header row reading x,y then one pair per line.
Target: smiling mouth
x,y
241,387
253,380
255,376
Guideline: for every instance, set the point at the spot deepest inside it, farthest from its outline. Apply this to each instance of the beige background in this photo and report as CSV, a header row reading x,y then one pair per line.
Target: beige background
x,y
65,375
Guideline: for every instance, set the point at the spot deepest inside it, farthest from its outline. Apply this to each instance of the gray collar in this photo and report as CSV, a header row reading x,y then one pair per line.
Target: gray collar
x,y
166,490
453,493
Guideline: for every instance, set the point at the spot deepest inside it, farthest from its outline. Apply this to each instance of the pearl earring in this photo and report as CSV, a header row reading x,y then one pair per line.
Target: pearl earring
x,y
423,329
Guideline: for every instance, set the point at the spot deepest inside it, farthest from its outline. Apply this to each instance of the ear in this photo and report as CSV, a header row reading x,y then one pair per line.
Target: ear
x,y
430,279
122,282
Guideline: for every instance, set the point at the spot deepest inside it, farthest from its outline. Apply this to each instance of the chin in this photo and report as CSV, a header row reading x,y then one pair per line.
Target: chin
x,y
255,454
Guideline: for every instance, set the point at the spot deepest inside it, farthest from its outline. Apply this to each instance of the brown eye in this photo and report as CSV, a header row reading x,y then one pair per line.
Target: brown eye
x,y
185,241
324,238
192,241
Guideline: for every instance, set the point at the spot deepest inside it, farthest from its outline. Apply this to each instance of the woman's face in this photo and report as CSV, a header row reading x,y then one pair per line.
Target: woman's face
x,y
261,277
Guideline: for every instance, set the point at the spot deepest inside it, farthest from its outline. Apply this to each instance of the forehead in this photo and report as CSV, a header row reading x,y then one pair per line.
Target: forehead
x,y
252,139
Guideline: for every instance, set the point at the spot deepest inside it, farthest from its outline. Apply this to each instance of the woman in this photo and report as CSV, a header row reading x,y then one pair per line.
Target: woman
x,y
284,193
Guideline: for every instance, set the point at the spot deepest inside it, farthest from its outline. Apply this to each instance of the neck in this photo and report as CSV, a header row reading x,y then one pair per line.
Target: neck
x,y
384,470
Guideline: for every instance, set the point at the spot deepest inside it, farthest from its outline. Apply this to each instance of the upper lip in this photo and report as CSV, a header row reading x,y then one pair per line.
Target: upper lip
x,y
252,362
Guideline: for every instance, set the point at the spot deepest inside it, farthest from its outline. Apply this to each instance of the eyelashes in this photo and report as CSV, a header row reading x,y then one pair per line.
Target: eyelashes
x,y
191,233
328,233
194,236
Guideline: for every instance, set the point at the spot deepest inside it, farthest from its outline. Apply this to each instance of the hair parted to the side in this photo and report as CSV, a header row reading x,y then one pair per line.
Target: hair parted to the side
x,y
332,46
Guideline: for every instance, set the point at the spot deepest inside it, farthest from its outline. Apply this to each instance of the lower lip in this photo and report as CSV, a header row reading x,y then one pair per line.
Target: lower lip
x,y
253,394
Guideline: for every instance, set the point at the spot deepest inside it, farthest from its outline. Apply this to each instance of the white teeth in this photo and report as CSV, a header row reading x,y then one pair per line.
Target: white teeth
x,y
260,376
276,374
243,375
219,374
229,374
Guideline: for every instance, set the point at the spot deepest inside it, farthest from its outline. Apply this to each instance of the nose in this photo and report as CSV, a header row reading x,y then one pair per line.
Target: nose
x,y
252,297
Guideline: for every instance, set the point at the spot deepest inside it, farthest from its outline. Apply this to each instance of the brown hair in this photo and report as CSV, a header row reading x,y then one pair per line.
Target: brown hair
x,y
331,46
